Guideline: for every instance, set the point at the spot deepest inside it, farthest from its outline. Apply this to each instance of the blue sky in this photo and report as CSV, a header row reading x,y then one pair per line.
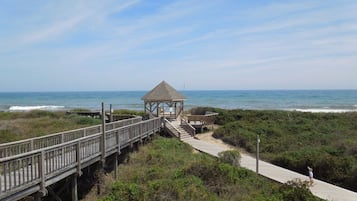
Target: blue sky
x,y
71,45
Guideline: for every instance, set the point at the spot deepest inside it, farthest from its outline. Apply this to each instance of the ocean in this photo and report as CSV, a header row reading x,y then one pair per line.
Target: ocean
x,y
299,100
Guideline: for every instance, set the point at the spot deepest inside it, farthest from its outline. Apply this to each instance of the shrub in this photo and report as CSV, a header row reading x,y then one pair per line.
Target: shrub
x,y
231,156
82,120
128,112
175,173
296,190
122,191
295,139
42,113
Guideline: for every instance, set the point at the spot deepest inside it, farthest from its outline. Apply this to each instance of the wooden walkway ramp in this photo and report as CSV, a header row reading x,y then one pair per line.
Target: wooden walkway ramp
x,y
320,189
30,166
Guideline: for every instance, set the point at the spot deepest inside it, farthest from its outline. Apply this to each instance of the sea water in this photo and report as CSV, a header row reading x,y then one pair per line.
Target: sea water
x,y
300,100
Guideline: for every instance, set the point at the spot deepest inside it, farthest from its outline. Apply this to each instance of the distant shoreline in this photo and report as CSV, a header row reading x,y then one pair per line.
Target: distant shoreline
x,y
335,101
53,108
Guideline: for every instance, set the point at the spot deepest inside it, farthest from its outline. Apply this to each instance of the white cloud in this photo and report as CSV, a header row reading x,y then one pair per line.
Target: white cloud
x,y
52,32
186,40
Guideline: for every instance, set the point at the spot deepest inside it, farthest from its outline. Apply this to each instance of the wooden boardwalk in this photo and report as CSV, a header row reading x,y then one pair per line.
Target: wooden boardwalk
x,y
29,166
320,188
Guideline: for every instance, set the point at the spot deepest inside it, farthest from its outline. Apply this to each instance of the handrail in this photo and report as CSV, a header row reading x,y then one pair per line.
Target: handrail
x,y
42,167
171,128
69,142
23,146
207,118
47,148
188,127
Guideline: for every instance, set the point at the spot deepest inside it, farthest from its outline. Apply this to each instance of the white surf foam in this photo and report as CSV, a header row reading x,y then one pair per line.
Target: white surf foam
x,y
38,107
325,110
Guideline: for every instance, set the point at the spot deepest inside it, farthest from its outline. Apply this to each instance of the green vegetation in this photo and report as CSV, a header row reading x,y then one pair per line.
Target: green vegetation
x,y
21,125
168,169
129,112
231,156
294,140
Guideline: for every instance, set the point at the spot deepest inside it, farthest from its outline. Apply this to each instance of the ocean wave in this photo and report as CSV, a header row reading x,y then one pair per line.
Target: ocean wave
x,y
37,107
325,110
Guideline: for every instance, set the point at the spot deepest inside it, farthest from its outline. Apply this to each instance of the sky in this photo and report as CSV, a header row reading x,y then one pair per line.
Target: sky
x,y
84,45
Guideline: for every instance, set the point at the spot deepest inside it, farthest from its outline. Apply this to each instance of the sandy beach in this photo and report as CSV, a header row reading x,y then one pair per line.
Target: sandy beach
x,y
208,137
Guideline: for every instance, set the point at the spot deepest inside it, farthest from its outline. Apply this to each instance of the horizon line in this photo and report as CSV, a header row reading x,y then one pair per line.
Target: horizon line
x,y
143,90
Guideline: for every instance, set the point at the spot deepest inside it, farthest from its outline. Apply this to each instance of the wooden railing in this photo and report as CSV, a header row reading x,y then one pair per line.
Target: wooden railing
x,y
188,127
30,172
171,129
208,118
23,146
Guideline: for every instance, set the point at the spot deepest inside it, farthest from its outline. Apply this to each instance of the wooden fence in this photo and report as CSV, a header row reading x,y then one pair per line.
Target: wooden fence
x,y
23,146
32,171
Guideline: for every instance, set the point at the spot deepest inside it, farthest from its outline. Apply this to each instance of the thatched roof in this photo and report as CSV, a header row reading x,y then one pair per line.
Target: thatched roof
x,y
163,92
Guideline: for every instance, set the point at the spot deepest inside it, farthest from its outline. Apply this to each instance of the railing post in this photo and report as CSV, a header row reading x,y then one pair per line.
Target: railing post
x,y
5,152
62,137
110,113
141,133
131,136
31,145
257,157
78,155
74,188
103,139
42,171
118,142
116,155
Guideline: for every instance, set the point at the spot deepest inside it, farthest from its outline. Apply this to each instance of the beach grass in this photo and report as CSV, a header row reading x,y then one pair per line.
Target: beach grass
x,y
130,112
295,140
22,125
167,169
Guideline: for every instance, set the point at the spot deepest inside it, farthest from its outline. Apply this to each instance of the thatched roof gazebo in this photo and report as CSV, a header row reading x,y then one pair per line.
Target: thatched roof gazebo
x,y
164,100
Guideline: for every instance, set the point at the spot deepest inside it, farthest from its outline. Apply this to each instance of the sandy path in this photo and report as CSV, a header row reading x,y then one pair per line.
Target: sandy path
x,y
207,137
